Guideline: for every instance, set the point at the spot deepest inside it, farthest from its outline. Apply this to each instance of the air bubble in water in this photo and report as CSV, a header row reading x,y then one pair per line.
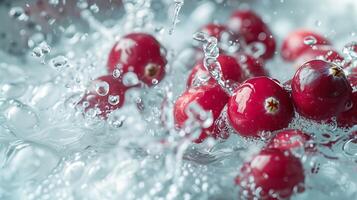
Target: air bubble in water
x,y
117,73
350,50
350,147
59,62
130,79
113,99
74,172
101,88
94,8
18,13
310,40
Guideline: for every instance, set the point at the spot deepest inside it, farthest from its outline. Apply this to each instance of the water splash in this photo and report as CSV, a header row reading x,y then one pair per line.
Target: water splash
x,y
211,53
177,7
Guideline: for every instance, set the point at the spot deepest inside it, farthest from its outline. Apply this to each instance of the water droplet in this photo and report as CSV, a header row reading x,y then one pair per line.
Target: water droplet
x,y
117,73
130,79
59,62
154,81
101,88
18,13
94,8
74,171
113,99
310,40
350,147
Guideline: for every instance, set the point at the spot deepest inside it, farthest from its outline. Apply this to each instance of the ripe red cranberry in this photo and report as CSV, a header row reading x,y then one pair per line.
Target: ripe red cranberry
x,y
321,52
272,174
252,67
290,139
259,104
139,53
299,41
320,90
105,94
231,71
209,97
251,27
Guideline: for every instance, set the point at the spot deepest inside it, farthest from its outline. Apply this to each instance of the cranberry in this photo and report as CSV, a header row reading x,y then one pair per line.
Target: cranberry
x,y
290,139
105,94
297,42
322,52
231,72
210,97
252,67
320,90
139,53
251,27
259,104
272,174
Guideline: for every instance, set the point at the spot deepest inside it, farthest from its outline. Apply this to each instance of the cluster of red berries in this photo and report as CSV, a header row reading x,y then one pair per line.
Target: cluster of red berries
x,y
320,91
136,53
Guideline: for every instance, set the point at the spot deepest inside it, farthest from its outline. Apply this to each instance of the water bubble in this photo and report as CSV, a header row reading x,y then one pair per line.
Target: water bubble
x,y
101,88
130,79
350,50
35,39
18,13
154,81
117,73
37,52
74,172
59,62
256,49
94,8
350,147
113,99
13,90
310,40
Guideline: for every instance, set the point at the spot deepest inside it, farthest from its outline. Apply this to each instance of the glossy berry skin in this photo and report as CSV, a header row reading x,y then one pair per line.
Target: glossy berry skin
x,y
259,104
209,97
290,139
252,67
103,100
251,27
271,170
297,42
321,52
231,71
140,53
320,90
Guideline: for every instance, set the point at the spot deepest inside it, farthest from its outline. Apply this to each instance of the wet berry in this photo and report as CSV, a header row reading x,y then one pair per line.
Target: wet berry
x,y
210,98
349,118
231,72
298,42
320,90
290,139
251,67
140,53
259,104
272,174
251,27
104,95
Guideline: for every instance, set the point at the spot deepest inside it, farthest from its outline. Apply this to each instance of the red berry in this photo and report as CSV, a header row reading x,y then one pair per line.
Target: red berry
x,y
105,94
209,97
272,174
139,53
252,67
297,42
320,90
289,139
321,52
259,104
251,27
231,72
